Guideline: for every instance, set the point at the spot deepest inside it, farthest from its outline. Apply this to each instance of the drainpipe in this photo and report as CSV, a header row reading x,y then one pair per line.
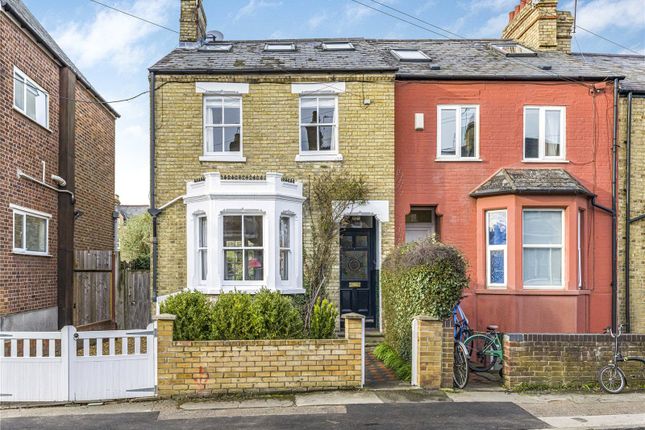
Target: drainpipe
x,y
614,194
154,212
628,217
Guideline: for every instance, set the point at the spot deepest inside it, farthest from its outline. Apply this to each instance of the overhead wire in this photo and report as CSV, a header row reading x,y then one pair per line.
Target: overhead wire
x,y
134,16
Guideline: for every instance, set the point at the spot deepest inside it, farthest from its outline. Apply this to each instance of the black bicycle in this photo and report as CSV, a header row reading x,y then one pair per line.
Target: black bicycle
x,y
611,377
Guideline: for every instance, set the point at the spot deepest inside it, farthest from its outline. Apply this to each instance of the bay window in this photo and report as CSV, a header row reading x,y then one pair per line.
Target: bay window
x,y
543,248
202,247
285,247
496,242
457,132
243,249
544,133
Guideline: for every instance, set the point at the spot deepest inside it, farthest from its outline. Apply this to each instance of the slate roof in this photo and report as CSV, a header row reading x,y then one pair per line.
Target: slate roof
x,y
630,66
22,14
531,181
450,59
129,211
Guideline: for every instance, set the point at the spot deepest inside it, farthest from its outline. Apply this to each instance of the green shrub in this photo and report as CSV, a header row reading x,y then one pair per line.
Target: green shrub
x,y
274,316
392,360
232,317
419,278
323,320
193,312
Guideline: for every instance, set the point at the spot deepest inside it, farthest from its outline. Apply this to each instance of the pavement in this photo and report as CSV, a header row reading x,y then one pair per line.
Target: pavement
x,y
380,409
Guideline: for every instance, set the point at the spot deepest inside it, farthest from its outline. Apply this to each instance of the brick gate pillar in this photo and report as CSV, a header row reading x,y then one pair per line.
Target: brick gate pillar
x,y
432,351
165,377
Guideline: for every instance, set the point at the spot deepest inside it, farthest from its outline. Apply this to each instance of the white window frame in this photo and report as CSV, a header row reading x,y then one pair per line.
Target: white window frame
x,y
226,156
288,248
201,249
579,246
550,246
263,248
542,158
28,81
490,248
25,212
457,156
318,155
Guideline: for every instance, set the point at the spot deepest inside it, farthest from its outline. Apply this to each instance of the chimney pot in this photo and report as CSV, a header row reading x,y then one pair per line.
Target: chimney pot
x,y
511,15
517,9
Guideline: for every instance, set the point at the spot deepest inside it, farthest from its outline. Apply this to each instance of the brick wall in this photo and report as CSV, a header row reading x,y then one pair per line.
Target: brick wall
x,y
270,143
557,360
637,240
432,353
204,368
28,282
538,25
94,229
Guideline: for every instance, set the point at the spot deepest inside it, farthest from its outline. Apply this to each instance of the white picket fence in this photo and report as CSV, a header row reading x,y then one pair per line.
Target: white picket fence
x,y
68,365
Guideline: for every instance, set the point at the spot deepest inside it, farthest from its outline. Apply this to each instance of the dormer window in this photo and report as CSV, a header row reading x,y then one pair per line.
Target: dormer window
x,y
279,47
513,50
338,46
410,55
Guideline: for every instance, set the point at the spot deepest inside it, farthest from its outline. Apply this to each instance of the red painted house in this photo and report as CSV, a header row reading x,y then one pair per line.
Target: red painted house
x,y
505,152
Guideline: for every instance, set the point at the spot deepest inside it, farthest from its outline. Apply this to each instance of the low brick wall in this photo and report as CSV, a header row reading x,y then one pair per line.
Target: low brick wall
x,y
204,368
432,353
573,360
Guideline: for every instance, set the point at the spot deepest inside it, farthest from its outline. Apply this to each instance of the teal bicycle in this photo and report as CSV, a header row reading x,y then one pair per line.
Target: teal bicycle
x,y
484,350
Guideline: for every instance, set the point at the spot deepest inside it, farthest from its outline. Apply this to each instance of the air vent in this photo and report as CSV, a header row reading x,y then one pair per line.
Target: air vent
x,y
410,55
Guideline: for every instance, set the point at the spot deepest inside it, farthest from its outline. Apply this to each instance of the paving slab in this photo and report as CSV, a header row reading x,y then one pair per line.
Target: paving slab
x,y
237,404
337,398
411,396
632,421
168,415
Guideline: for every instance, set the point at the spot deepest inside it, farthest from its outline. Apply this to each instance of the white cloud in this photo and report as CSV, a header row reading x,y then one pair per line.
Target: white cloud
x,y
316,20
598,15
253,5
112,37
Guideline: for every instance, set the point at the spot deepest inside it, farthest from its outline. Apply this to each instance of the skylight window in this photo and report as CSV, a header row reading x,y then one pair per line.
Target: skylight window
x,y
410,55
279,47
338,46
220,47
513,50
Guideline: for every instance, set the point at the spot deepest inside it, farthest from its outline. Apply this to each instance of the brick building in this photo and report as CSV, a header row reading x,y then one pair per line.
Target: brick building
x,y
57,138
240,127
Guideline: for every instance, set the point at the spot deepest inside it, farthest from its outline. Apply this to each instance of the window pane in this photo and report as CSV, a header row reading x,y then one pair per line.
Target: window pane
x,y
284,232
214,139
19,92
353,266
542,266
284,265
254,270
327,106
308,140
552,133
308,114
542,228
468,132
231,139
253,230
233,265
496,268
41,108
32,93
326,137
214,113
202,232
231,111
497,228
232,231
203,265
18,233
531,133
448,133
420,215
36,234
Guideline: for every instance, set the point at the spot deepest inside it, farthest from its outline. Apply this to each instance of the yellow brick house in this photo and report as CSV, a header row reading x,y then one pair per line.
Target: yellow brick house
x,y
238,129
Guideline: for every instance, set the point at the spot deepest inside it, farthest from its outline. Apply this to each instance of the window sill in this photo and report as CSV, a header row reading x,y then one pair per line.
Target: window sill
x,y
249,289
32,120
542,161
319,157
30,253
453,160
233,158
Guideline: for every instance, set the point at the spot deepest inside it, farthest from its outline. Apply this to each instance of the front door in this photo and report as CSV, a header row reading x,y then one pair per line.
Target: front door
x,y
358,275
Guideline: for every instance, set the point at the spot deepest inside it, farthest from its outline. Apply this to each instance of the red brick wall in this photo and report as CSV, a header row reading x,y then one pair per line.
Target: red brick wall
x,y
26,282
423,181
94,174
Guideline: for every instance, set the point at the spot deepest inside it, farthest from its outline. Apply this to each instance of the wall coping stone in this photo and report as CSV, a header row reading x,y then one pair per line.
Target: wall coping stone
x,y
425,318
353,316
588,337
164,317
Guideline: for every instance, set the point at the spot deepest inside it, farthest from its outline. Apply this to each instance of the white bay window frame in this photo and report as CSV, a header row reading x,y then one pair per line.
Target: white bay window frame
x,y
496,248
560,246
440,129
542,157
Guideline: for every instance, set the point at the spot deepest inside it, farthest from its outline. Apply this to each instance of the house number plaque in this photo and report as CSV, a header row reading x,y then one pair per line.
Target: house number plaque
x,y
354,285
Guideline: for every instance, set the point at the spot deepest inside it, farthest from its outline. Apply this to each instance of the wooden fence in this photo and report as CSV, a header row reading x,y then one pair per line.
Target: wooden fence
x,y
93,289
133,299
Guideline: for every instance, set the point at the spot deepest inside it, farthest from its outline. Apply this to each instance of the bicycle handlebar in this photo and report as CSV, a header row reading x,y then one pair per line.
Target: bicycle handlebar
x,y
611,333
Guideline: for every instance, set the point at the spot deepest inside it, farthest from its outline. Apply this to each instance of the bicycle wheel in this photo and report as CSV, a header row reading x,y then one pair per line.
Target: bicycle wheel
x,y
480,348
460,366
611,379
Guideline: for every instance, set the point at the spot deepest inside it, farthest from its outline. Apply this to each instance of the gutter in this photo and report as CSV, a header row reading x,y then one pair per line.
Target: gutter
x,y
163,71
555,78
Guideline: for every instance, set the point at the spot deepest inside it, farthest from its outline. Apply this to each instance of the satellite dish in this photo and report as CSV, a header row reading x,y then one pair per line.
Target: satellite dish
x,y
215,35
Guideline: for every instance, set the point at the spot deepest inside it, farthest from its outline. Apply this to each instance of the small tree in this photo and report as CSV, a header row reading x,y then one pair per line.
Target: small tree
x,y
135,237
330,196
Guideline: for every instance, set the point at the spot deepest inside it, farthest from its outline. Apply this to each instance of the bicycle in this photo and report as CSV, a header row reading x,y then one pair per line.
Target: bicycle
x,y
484,350
460,365
462,330
611,377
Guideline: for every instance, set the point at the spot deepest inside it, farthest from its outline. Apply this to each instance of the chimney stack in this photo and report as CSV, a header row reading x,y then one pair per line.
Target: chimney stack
x,y
192,22
538,25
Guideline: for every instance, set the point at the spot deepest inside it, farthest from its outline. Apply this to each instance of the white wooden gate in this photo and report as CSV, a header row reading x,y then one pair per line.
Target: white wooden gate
x,y
77,366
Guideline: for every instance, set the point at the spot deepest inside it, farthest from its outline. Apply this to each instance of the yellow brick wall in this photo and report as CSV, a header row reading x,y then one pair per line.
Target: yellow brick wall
x,y
542,27
204,368
433,344
637,247
270,143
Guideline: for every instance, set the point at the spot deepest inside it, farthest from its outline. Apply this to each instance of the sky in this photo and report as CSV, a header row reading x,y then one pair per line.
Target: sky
x,y
114,51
